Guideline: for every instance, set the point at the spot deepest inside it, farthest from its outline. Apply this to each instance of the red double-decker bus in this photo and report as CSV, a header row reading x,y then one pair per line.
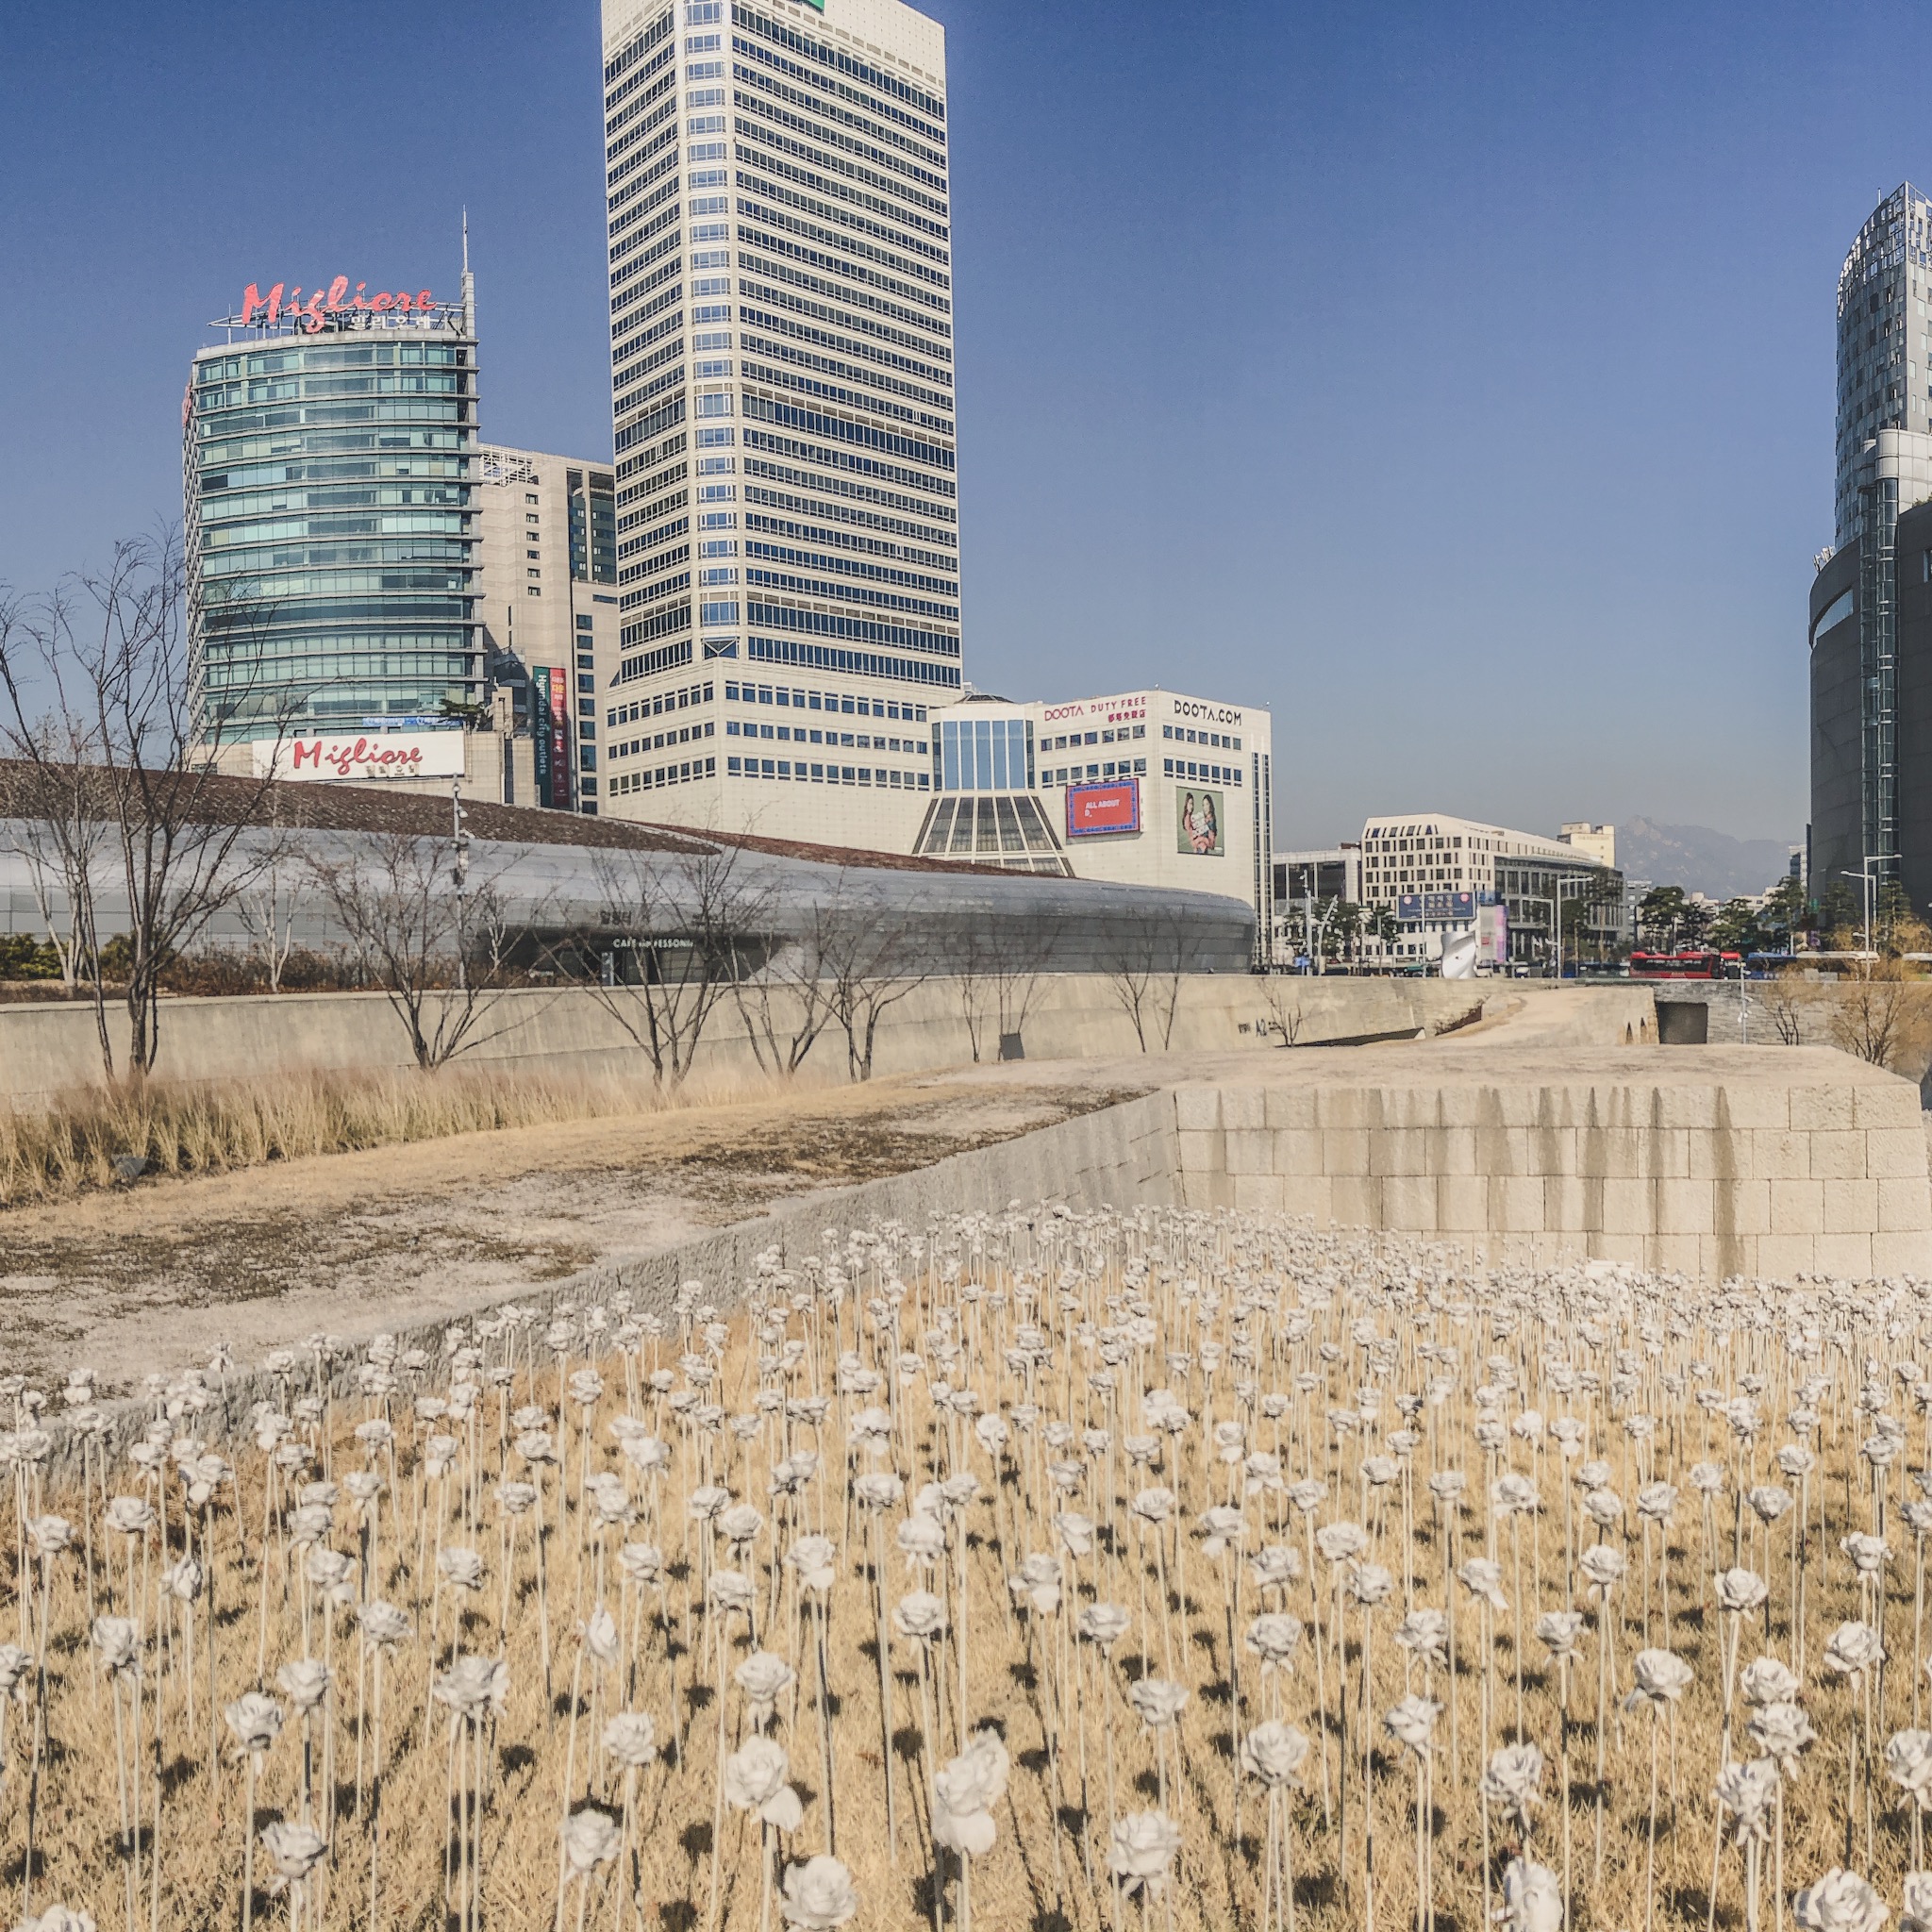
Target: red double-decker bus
x,y
1699,964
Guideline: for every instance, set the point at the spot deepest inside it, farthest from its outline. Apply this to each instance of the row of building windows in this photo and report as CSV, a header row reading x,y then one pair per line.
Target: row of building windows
x,y
231,395
656,705
343,453
802,773
779,553
1219,741
226,668
821,701
799,734
336,524
1208,774
660,741
1081,774
854,663
332,356
246,558
1077,739
624,783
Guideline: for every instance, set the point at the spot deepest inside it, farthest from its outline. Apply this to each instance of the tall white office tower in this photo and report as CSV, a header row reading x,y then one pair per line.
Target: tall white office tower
x,y
781,353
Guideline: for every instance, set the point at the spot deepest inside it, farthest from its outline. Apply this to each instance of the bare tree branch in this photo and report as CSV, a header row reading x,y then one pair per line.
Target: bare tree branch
x,y
425,934
686,925
111,651
871,960
783,1000
1144,972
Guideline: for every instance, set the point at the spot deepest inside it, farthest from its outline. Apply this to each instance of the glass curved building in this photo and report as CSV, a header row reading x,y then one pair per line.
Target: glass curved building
x,y
329,453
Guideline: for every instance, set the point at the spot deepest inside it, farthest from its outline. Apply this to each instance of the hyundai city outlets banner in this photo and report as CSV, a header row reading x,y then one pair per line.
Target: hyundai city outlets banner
x,y
1092,810
362,755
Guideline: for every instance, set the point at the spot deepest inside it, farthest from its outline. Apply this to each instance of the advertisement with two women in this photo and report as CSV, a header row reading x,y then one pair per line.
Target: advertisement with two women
x,y
1199,816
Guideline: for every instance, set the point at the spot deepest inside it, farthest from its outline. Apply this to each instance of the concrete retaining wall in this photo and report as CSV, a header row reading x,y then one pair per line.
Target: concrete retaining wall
x,y
45,1049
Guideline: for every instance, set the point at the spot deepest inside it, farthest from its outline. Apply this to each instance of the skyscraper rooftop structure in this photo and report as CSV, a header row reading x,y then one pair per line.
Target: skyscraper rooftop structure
x,y
1884,364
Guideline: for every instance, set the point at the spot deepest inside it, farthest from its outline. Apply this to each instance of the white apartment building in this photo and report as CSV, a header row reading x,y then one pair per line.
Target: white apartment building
x,y
1438,877
546,584
781,342
1147,787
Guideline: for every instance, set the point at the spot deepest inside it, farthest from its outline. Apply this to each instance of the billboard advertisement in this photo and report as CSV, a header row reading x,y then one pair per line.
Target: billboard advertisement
x,y
362,756
1492,936
1200,818
559,739
1093,811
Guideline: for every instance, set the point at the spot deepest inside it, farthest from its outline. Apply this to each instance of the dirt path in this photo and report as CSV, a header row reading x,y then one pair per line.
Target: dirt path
x,y
150,1279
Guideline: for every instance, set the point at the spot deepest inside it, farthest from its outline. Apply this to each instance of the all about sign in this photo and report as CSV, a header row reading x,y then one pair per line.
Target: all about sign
x,y
1095,810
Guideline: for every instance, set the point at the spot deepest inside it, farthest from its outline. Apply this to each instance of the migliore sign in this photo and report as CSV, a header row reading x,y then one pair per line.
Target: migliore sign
x,y
260,310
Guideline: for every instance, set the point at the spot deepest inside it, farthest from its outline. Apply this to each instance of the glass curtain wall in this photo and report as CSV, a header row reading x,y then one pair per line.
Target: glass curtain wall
x,y
327,506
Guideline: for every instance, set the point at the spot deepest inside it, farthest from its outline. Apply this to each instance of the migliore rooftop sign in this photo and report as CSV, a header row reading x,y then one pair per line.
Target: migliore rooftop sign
x,y
324,305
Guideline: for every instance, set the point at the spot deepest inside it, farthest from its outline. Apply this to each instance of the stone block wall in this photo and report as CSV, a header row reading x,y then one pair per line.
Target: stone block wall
x,y
1791,1160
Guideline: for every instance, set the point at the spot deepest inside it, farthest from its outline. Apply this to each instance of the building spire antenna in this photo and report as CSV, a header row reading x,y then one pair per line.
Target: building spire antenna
x,y
468,283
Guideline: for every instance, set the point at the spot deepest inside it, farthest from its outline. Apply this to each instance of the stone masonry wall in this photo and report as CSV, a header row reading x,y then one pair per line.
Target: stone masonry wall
x,y
1742,1173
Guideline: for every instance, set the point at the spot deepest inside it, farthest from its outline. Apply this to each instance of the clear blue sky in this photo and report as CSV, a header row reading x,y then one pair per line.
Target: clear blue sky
x,y
1456,380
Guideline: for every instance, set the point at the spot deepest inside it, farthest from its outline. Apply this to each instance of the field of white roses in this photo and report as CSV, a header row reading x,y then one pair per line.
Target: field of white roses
x,y
1039,1570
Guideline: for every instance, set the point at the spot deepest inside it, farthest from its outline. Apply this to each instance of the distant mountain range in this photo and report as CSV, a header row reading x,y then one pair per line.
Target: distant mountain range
x,y
1699,859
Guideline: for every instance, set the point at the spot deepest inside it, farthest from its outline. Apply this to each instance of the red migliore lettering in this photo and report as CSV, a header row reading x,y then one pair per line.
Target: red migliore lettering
x,y
259,310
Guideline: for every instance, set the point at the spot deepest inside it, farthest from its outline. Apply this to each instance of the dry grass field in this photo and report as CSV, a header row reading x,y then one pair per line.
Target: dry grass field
x,y
98,1136
1042,1570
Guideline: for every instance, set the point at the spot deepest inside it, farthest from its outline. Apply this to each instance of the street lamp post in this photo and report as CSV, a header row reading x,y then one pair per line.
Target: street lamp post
x,y
1555,903
1869,880
1555,926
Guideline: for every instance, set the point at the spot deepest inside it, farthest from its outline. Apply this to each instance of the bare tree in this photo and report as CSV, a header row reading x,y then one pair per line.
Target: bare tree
x,y
108,655
1786,1008
266,908
1879,1013
420,924
782,996
61,836
1144,970
974,953
685,922
870,959
1285,1015
1019,962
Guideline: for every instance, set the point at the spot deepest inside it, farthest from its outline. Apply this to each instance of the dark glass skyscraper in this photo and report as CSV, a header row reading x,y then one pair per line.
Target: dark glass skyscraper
x,y
328,445
1884,466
